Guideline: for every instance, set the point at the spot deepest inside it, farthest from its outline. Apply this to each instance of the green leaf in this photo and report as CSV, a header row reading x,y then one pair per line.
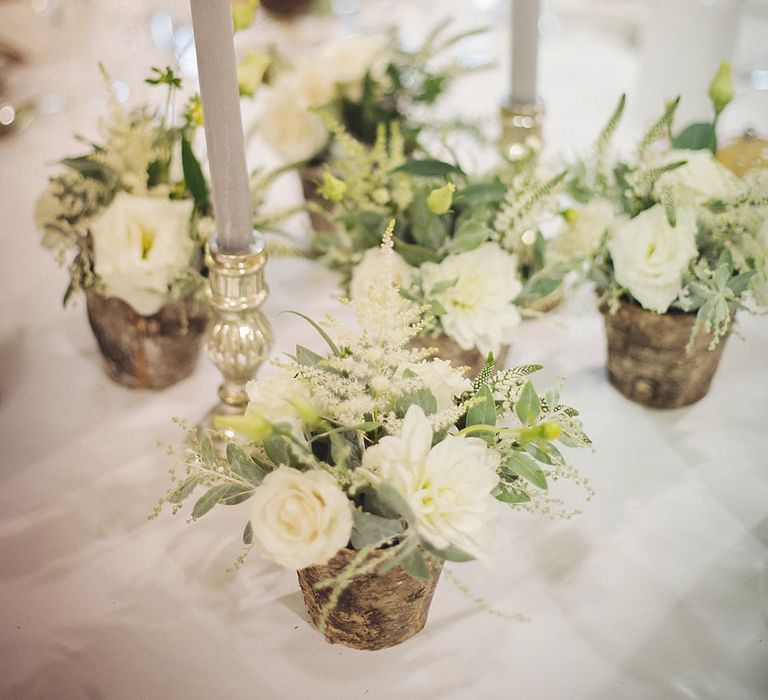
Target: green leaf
x,y
509,494
482,412
428,167
415,255
335,350
413,563
235,493
193,176
423,398
696,137
528,405
369,528
90,168
184,489
208,500
307,357
449,553
277,450
540,285
248,533
427,229
385,501
469,236
524,466
206,451
242,464
739,283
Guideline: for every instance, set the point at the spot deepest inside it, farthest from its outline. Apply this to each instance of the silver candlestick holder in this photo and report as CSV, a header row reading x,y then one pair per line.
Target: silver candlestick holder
x,y
239,336
520,128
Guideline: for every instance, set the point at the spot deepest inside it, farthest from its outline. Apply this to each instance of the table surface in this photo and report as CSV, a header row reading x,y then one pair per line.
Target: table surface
x,y
657,590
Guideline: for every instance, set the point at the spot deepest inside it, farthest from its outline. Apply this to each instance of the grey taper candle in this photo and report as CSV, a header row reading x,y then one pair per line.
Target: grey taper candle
x,y
217,70
525,51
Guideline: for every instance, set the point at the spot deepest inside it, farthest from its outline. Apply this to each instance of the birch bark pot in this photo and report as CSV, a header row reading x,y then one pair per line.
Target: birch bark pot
x,y
148,352
647,361
447,349
311,177
374,611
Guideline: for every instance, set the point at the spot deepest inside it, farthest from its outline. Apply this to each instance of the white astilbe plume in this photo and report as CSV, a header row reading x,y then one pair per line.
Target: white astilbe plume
x,y
363,381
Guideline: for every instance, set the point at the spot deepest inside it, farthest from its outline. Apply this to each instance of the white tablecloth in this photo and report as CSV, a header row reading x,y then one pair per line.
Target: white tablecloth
x,y
653,592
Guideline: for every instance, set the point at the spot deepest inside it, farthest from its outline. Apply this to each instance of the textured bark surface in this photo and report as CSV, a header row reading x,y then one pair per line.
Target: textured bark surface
x,y
448,350
374,612
150,352
311,177
547,303
647,361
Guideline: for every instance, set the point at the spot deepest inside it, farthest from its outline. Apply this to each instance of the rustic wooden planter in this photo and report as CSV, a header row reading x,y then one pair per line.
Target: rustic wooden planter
x,y
447,349
647,361
149,352
374,611
311,177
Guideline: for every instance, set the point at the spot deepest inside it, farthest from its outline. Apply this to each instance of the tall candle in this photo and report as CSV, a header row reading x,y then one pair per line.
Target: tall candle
x,y
217,70
525,51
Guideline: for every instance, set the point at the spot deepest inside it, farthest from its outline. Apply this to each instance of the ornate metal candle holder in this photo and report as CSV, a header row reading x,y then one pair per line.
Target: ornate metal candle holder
x,y
520,123
239,336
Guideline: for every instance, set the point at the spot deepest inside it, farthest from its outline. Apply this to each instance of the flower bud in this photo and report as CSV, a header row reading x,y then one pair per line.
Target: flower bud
x,y
332,188
250,72
251,425
439,201
571,215
721,87
549,431
243,13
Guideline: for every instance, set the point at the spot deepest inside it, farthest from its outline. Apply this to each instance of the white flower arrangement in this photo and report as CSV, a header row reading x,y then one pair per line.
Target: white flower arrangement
x,y
396,455
468,248
672,229
363,80
129,217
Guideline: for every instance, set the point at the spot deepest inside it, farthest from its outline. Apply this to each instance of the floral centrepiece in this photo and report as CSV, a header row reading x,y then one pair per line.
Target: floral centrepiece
x,y
130,219
468,248
673,234
372,462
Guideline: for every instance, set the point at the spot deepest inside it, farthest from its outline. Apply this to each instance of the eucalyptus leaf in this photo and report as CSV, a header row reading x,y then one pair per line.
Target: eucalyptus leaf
x,y
368,528
248,533
385,501
277,450
413,563
242,464
206,451
524,466
468,236
449,553
423,398
208,500
528,405
184,489
509,494
427,167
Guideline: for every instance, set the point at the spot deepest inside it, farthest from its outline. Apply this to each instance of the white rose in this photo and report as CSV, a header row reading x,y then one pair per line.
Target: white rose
x,y
649,256
442,379
582,236
700,179
346,61
140,246
271,398
370,273
300,519
290,128
448,486
479,308
311,84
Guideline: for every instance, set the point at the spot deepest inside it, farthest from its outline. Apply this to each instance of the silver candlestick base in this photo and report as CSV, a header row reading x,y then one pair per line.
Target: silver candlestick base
x,y
520,128
239,336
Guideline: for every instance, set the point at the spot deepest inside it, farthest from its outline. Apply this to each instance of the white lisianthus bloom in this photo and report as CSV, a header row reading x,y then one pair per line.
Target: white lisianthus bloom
x,y
650,256
300,519
311,84
290,128
441,378
447,486
272,398
700,179
582,236
140,246
370,273
346,61
478,305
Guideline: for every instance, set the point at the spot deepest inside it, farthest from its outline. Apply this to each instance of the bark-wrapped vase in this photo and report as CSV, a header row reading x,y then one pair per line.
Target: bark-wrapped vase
x,y
375,611
447,349
148,352
647,358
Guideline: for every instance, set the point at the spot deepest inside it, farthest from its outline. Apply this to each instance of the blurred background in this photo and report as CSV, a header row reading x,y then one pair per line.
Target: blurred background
x,y
590,52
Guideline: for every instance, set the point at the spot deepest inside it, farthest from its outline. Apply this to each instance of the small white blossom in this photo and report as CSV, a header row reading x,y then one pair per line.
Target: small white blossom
x,y
700,179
